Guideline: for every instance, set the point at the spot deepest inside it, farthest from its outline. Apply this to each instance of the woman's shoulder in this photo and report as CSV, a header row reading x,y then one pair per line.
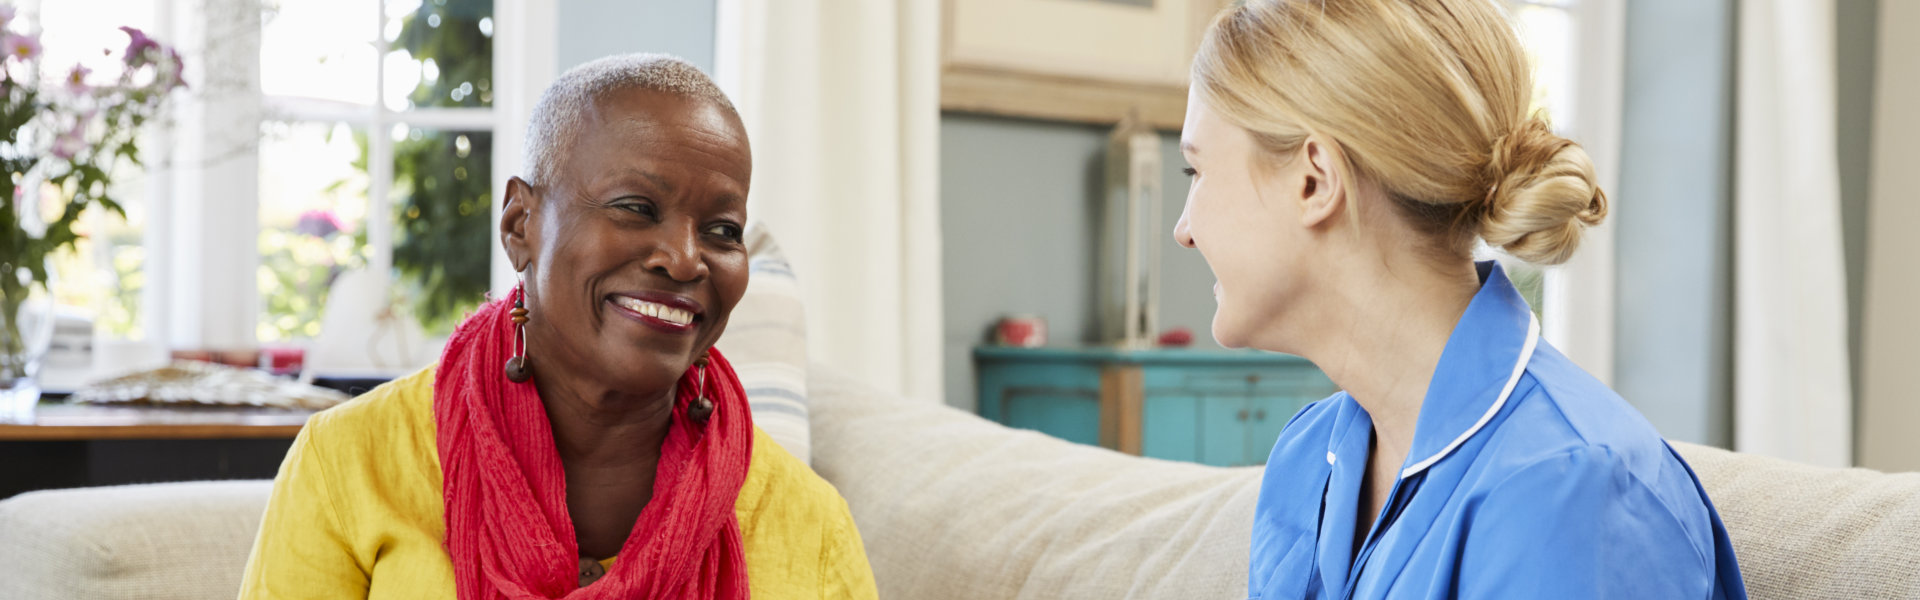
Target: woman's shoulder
x,y
799,534
392,414
1566,410
776,480
1569,423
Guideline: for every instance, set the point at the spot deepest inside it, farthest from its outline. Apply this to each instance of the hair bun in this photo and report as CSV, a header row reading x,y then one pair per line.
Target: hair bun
x,y
1543,197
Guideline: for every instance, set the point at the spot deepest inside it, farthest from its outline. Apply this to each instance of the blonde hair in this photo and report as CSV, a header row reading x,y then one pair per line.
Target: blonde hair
x,y
1425,98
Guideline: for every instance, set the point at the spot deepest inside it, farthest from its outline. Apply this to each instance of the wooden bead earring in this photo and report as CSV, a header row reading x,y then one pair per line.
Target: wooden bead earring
x,y
702,407
518,369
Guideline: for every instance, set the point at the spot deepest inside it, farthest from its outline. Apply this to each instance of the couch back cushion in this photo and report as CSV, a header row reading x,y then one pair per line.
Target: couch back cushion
x,y
954,506
185,541
766,340
1812,532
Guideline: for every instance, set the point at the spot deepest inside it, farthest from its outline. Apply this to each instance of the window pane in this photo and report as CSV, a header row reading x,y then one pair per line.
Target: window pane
x,y
313,208
88,33
442,210
101,276
442,54
1547,32
321,49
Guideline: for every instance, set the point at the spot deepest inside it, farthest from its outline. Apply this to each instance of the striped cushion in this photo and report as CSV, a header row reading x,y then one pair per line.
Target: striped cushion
x,y
766,340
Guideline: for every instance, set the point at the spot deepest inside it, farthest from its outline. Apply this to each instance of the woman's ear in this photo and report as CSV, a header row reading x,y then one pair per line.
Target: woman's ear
x,y
516,222
1321,192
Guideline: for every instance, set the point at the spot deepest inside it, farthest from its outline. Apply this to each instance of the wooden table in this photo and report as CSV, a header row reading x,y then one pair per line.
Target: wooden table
x,y
72,445
59,421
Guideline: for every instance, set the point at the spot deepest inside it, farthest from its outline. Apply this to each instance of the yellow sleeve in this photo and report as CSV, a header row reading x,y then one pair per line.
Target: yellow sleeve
x,y
304,549
844,564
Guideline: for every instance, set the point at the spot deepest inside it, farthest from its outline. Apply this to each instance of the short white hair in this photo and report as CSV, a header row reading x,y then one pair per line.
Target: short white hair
x,y
556,119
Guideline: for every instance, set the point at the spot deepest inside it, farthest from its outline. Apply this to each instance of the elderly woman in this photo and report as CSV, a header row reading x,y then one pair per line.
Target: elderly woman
x,y
581,438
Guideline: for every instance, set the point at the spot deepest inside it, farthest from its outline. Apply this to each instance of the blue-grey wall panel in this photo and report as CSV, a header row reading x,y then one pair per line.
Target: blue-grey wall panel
x,y
1672,217
590,29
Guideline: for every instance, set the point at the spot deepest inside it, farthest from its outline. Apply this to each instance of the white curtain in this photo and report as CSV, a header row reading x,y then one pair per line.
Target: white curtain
x,y
842,104
1792,396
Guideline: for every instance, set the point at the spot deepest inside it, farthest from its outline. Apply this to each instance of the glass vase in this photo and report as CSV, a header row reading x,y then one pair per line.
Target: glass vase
x,y
26,329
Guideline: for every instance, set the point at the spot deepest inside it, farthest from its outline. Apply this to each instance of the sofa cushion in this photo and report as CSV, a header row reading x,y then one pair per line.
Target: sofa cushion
x,y
953,506
766,340
1812,532
186,541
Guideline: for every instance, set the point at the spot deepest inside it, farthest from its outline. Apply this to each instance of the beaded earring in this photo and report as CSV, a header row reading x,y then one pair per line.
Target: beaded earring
x,y
702,407
518,369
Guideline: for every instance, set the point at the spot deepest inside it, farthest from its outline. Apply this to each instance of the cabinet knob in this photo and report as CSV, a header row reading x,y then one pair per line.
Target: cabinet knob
x,y
1242,416
1260,415
1253,379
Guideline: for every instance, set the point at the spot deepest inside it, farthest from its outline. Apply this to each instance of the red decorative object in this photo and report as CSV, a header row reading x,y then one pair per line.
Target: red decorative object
x,y
1025,331
1179,337
283,360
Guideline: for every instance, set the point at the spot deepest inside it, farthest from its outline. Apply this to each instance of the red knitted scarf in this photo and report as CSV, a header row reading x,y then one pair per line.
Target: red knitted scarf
x,y
508,532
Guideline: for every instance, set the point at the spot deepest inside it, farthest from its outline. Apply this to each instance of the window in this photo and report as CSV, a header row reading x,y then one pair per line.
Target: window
x,y
1546,30
349,135
104,274
1577,49
376,153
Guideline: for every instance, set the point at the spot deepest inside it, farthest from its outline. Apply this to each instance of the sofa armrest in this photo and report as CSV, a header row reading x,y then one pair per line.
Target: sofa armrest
x,y
159,542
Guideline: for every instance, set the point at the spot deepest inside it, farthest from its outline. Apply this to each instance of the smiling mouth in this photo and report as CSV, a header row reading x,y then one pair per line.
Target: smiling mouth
x,y
658,315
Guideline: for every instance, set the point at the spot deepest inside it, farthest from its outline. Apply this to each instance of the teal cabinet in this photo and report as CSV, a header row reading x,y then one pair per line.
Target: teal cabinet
x,y
1214,407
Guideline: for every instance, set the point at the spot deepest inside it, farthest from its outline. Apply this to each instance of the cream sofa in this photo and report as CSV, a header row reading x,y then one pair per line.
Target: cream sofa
x,y
952,506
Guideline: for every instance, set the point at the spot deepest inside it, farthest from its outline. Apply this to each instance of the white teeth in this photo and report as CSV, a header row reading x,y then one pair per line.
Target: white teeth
x,y
657,311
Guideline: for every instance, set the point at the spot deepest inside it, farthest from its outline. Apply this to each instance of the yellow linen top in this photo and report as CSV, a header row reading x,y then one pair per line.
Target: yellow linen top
x,y
357,512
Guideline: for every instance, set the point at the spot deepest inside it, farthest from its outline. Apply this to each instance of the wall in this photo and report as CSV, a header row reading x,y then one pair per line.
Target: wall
x,y
590,29
1888,413
1673,249
1018,200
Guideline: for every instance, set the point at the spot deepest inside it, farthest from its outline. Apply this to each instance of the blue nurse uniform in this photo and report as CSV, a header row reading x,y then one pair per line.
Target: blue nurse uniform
x,y
1527,478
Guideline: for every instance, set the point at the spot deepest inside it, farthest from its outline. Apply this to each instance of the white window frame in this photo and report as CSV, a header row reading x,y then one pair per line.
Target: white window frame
x,y
198,295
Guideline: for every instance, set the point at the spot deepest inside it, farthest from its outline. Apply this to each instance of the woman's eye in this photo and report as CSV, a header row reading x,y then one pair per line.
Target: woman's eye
x,y
725,230
644,209
1189,171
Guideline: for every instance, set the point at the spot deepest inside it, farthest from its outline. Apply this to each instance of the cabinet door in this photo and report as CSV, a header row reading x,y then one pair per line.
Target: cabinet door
x,y
1059,399
1069,414
1274,398
1267,417
1223,429
1170,426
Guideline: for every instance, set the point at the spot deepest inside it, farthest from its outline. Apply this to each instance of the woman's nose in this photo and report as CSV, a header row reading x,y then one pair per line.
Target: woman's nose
x,y
1182,232
676,254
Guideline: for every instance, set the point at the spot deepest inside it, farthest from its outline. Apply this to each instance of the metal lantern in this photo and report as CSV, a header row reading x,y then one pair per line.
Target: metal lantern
x,y
1130,236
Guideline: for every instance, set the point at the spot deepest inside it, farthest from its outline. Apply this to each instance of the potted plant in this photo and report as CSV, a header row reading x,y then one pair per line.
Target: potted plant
x,y
60,138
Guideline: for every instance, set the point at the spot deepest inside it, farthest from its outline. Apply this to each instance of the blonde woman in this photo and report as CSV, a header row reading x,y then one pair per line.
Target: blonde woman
x,y
1347,156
